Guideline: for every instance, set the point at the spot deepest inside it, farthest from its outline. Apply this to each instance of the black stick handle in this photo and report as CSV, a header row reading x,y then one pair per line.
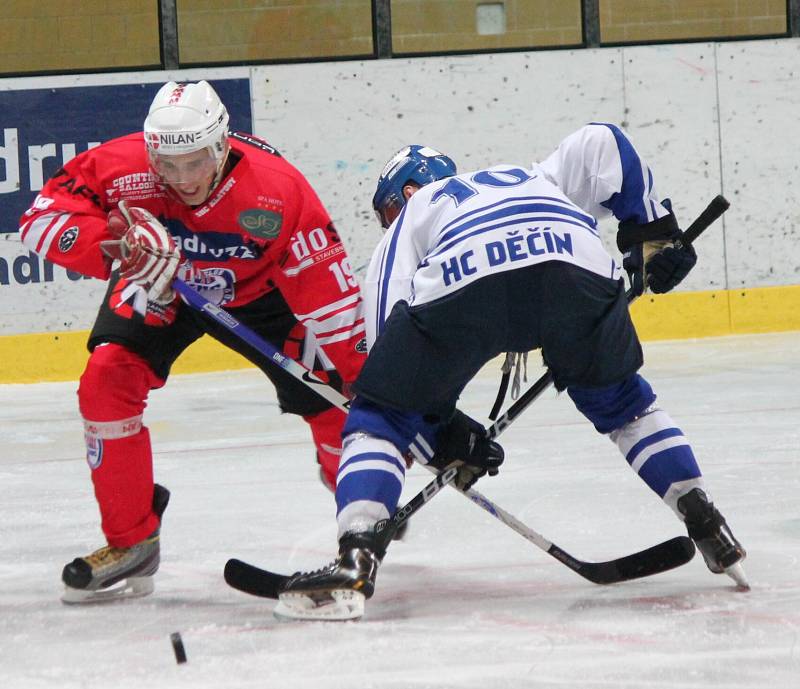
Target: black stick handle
x,y
719,204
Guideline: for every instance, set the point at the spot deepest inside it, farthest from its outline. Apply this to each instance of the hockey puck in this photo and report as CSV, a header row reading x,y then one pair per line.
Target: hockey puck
x,y
177,646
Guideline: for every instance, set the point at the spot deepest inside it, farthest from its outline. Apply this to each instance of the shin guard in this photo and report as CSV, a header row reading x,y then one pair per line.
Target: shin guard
x,y
112,395
659,453
369,483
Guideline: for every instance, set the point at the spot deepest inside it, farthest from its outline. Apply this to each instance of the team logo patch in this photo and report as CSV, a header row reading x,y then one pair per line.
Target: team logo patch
x,y
260,223
94,451
361,346
67,239
215,284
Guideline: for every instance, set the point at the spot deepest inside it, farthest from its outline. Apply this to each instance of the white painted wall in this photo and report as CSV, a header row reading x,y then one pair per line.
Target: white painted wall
x,y
708,117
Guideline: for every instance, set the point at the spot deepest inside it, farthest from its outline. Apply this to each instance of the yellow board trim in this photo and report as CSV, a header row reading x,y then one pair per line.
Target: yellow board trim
x,y
682,315
50,357
62,356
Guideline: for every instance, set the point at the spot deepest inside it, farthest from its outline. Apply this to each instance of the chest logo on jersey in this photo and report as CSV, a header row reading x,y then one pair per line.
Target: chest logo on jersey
x,y
261,223
211,246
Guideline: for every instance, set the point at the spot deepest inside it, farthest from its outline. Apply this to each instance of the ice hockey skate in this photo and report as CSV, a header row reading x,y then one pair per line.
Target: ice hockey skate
x,y
713,537
111,573
335,592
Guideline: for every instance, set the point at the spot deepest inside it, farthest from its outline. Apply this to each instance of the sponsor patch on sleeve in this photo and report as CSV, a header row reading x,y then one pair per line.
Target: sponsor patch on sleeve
x,y
68,238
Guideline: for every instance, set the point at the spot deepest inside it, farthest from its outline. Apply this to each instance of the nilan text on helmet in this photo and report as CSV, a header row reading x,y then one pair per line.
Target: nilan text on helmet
x,y
176,138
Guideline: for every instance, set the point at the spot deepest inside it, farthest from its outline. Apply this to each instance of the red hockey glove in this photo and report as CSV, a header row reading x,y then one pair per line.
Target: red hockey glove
x,y
147,253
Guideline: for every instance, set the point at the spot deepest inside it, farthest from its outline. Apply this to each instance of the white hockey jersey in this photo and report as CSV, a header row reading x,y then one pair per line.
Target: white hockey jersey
x,y
460,229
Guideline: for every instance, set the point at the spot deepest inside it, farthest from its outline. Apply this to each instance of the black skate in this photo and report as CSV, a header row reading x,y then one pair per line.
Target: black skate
x,y
713,537
338,591
113,573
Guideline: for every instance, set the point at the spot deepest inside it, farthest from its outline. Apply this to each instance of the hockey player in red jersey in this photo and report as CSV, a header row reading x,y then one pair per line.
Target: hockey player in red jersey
x,y
226,213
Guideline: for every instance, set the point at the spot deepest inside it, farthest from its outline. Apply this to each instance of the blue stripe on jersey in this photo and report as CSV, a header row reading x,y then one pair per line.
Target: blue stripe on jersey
x,y
585,216
512,222
385,273
629,203
669,466
446,234
650,191
649,440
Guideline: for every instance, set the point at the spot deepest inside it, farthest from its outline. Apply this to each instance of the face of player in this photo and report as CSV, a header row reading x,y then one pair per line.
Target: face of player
x,y
189,175
388,214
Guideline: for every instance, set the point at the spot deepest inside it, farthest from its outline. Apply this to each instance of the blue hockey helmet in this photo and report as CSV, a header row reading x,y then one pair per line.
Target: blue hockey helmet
x,y
416,164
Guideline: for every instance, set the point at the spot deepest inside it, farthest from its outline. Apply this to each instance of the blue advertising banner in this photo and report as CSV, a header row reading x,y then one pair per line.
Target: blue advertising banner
x,y
40,129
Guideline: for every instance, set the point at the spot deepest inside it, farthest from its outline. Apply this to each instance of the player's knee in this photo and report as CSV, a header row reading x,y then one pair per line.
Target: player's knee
x,y
610,408
115,384
398,427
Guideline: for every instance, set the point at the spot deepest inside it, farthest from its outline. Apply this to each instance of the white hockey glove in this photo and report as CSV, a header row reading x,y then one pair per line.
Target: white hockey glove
x,y
147,253
462,443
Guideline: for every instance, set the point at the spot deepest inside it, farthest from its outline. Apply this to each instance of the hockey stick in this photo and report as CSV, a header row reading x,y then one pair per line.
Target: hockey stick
x,y
646,562
261,582
664,556
226,319
242,576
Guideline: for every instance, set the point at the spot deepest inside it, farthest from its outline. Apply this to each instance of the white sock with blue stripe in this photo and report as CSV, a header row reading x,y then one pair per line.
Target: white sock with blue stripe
x,y
660,454
368,485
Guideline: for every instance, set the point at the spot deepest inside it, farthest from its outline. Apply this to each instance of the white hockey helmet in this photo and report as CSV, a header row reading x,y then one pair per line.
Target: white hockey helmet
x,y
184,118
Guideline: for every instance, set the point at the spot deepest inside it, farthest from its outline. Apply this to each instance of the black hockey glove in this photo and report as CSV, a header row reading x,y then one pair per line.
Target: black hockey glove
x,y
462,443
652,254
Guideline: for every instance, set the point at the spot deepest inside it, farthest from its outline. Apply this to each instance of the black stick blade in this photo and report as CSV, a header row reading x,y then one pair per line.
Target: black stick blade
x,y
654,560
254,580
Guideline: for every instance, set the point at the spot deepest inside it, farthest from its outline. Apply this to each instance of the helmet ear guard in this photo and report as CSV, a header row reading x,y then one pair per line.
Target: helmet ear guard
x,y
414,164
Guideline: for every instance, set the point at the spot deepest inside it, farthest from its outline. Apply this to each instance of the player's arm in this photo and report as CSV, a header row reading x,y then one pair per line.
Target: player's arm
x,y
68,220
599,170
316,279
70,224
391,271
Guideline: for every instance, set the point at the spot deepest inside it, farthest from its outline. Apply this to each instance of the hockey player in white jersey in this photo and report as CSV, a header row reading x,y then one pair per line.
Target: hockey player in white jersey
x,y
506,259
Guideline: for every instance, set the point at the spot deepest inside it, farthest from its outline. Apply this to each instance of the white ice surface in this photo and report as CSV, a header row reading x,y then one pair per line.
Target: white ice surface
x,y
465,602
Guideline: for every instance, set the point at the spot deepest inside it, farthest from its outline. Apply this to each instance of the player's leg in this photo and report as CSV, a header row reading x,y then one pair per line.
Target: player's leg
x,y
593,350
130,355
369,483
657,450
409,384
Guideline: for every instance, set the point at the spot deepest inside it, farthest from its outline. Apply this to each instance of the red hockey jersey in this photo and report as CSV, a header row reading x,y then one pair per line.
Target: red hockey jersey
x,y
262,228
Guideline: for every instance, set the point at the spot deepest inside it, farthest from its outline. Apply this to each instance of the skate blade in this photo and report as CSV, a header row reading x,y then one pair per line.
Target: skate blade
x,y
132,587
343,604
736,572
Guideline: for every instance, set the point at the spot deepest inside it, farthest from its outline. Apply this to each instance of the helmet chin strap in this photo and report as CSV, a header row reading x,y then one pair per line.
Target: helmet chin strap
x,y
220,171
218,175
